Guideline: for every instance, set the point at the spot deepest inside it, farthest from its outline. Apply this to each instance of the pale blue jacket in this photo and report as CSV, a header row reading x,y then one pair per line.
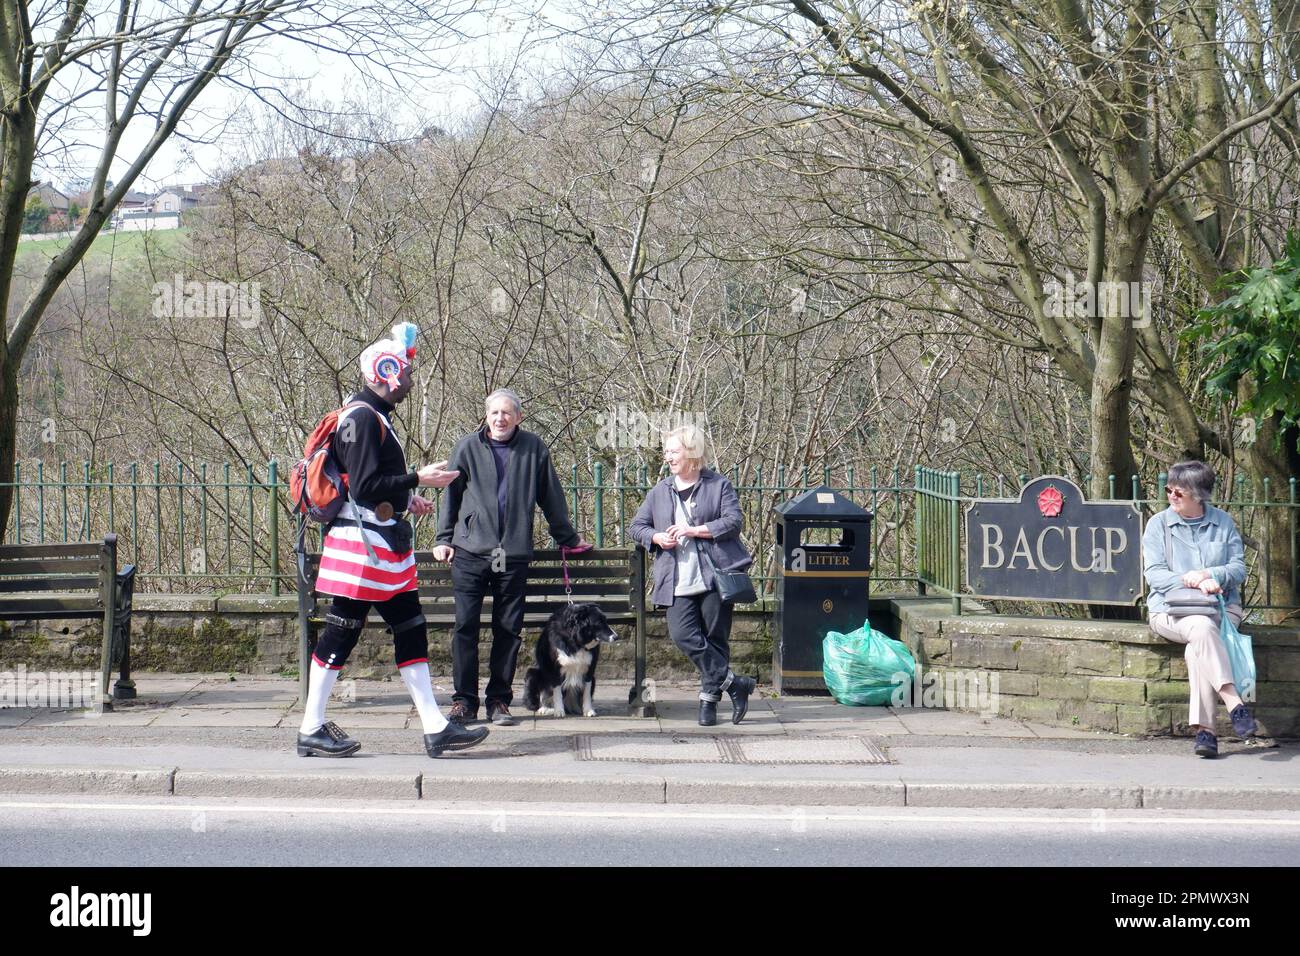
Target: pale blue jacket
x,y
1213,544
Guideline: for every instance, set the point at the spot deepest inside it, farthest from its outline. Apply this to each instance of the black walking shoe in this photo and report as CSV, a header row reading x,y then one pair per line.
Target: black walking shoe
x,y
461,714
329,740
500,714
1243,725
708,713
1207,745
453,737
740,689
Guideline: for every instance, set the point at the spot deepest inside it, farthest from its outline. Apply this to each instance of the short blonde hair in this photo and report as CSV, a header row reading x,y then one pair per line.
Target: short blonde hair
x,y
693,440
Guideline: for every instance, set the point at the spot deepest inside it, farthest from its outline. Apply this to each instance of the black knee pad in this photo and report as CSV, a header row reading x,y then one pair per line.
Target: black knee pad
x,y
337,640
411,640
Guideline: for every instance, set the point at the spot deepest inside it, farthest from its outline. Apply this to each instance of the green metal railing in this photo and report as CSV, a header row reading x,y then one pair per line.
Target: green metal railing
x,y
220,528
940,527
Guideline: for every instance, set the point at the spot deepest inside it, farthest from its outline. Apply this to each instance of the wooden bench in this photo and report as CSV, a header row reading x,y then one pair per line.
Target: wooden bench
x,y
41,582
612,579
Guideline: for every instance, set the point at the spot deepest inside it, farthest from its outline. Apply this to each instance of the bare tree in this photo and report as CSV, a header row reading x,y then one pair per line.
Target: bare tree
x,y
146,65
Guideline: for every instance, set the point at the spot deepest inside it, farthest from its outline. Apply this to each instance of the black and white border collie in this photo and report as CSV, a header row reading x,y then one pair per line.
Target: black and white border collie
x,y
566,656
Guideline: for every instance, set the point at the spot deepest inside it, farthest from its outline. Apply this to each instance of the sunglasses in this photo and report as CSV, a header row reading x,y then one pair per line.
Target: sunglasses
x,y
1175,492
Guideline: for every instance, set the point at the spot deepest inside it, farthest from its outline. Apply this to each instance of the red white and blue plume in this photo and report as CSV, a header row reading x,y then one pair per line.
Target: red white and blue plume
x,y
384,361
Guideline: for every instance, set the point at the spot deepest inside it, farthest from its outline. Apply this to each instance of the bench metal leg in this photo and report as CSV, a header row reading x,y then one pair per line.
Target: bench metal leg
x,y
641,698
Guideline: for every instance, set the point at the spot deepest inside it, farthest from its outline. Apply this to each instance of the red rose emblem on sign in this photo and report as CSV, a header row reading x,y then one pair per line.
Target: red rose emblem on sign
x,y
1050,502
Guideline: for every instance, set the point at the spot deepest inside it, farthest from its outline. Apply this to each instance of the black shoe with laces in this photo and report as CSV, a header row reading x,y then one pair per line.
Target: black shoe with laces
x,y
329,740
453,737
1243,724
1207,745
460,713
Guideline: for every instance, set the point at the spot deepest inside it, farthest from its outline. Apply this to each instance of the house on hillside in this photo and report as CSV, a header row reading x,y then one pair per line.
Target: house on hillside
x,y
56,202
178,199
142,220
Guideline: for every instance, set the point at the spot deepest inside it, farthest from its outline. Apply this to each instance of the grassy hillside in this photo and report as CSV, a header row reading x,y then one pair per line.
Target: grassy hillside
x,y
121,250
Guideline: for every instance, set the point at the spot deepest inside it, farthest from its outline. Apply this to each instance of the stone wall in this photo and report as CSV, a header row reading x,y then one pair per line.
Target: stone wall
x,y
1101,675
259,635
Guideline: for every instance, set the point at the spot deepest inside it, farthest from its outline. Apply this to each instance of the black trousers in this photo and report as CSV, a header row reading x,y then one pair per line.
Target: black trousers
x,y
346,617
700,624
473,578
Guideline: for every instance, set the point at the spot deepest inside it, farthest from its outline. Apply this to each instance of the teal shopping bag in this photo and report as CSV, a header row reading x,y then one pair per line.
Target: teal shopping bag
x,y
1241,655
864,667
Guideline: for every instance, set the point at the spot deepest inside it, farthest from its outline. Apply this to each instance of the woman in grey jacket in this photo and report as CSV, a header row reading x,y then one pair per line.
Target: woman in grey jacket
x,y
691,522
1193,544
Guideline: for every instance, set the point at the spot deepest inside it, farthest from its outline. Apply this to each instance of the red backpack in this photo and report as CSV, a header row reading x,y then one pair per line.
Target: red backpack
x,y
317,484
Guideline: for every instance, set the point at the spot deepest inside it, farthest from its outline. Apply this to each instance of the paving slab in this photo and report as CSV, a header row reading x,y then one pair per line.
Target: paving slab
x,y
919,720
357,720
203,717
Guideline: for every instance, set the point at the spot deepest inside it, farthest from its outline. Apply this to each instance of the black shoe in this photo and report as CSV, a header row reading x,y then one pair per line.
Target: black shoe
x,y
500,714
1243,725
740,689
328,741
461,714
708,713
1207,745
453,737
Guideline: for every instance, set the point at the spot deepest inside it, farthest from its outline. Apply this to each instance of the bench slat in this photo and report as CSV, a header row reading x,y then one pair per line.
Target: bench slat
x,y
47,606
49,566
53,583
70,549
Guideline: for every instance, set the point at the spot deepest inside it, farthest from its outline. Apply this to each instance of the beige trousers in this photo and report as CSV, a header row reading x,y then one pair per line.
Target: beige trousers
x,y
1208,670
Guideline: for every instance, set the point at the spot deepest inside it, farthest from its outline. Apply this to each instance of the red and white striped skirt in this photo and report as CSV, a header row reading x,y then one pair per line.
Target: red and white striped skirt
x,y
348,570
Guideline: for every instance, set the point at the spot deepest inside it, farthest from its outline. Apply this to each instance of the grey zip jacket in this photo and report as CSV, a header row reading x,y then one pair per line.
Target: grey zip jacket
x,y
468,519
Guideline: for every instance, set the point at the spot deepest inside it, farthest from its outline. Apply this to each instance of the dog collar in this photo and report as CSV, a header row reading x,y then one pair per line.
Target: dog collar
x,y
591,645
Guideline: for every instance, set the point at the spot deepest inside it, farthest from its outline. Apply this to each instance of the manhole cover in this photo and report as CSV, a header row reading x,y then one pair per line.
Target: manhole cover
x,y
648,748
819,750
693,748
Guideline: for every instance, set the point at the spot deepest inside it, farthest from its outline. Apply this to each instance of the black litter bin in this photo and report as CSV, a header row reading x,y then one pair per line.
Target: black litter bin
x,y
820,587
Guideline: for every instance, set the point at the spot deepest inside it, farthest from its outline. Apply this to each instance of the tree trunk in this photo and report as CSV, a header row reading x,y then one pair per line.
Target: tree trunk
x,y
8,438
1274,456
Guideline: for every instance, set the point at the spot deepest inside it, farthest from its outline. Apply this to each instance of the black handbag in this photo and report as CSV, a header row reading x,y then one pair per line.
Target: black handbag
x,y
734,587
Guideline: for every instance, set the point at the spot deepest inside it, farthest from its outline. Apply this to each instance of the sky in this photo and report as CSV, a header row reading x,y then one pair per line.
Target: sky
x,y
223,120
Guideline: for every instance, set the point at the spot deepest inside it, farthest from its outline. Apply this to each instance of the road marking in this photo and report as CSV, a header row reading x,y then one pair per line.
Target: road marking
x,y
888,815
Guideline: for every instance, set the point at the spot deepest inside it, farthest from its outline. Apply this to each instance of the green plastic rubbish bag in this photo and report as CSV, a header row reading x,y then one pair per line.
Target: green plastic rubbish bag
x,y
866,668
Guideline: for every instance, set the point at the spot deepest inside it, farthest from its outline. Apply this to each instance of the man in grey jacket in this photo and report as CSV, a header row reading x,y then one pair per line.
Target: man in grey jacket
x,y
485,530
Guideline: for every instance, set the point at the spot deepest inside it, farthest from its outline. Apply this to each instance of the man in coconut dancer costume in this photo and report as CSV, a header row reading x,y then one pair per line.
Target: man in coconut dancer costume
x,y
368,557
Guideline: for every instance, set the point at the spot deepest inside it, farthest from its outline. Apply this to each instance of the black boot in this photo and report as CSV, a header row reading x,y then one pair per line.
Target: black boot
x,y
740,689
708,713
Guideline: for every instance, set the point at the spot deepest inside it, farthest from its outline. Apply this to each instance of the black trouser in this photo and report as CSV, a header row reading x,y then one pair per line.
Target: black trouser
x,y
472,579
700,624
346,617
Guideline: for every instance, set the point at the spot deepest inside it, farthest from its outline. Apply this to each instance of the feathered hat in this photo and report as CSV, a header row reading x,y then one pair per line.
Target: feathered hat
x,y
384,361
